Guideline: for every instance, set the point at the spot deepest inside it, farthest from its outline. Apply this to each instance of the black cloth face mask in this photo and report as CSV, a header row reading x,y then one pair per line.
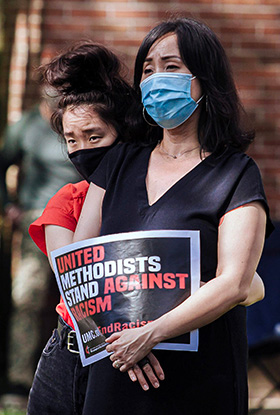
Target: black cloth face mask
x,y
86,161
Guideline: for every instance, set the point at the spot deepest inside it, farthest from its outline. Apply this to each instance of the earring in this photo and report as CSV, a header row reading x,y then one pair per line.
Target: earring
x,y
152,125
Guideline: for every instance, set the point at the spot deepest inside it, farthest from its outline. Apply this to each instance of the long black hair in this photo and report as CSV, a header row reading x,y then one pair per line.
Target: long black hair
x,y
90,74
219,123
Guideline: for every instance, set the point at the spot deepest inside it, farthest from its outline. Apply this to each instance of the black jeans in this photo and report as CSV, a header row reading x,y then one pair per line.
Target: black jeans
x,y
60,380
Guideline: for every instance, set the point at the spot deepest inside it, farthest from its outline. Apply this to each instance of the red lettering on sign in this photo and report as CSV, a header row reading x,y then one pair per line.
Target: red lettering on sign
x,y
182,280
170,282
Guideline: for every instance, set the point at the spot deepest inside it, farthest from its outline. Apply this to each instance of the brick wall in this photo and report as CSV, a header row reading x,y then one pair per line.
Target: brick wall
x,y
249,30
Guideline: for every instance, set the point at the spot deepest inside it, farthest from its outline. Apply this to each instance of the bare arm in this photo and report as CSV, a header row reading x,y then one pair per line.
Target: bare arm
x,y
56,237
240,243
256,291
91,216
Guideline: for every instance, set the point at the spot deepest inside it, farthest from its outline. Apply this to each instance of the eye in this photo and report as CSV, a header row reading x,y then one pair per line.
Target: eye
x,y
147,71
94,138
70,141
171,67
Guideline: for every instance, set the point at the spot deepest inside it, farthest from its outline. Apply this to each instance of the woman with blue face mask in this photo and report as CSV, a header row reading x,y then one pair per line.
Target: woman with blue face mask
x,y
191,174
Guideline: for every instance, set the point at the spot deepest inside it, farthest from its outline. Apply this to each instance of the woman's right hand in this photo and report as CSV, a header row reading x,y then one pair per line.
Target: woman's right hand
x,y
152,369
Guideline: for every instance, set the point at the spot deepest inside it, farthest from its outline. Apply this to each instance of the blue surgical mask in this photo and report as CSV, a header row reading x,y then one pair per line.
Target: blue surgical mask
x,y
167,98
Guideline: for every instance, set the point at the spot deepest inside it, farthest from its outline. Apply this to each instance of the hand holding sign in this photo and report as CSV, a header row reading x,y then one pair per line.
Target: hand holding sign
x,y
130,346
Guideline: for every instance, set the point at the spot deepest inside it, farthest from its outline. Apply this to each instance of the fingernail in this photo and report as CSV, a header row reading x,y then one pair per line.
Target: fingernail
x,y
156,385
145,387
133,378
161,377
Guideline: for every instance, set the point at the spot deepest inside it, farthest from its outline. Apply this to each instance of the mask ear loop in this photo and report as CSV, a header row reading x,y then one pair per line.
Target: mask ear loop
x,y
152,125
198,101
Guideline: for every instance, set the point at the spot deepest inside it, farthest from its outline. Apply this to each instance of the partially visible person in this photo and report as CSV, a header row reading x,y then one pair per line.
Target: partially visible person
x,y
43,168
91,117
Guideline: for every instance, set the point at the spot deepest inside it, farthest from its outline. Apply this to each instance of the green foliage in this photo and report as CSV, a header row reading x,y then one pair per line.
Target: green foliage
x,y
11,412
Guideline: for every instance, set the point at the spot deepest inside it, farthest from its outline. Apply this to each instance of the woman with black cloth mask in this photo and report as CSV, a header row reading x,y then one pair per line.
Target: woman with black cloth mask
x,y
194,176
91,118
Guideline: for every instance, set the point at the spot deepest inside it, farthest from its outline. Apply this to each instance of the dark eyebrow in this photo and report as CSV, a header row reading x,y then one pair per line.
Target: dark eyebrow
x,y
164,58
90,130
67,133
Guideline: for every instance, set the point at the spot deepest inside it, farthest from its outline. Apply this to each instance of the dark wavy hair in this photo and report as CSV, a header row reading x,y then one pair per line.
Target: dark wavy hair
x,y
90,74
220,119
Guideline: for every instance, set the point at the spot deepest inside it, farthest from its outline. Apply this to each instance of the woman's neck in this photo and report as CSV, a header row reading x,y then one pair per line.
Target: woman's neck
x,y
180,139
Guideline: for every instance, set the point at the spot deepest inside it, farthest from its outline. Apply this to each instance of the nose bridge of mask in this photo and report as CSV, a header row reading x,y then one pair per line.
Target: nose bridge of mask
x,y
161,82
166,76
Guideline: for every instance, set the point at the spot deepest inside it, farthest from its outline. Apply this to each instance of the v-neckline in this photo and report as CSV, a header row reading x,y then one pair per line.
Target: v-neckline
x,y
142,187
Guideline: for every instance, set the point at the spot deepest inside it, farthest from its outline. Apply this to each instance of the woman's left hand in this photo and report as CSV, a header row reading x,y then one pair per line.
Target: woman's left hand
x,y
128,347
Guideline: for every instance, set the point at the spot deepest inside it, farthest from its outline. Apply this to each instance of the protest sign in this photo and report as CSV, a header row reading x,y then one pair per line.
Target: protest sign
x,y
127,280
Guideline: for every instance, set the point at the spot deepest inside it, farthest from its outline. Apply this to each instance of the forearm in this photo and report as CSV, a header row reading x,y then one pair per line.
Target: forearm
x,y
210,302
206,305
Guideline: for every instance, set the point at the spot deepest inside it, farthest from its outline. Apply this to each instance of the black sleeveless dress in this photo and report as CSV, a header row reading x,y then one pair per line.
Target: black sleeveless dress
x,y
212,381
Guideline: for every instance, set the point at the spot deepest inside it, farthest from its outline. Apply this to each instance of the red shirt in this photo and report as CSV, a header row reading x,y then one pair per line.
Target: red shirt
x,y
64,210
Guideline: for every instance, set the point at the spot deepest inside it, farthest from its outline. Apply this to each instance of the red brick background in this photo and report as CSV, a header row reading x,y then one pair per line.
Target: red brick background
x,y
248,29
